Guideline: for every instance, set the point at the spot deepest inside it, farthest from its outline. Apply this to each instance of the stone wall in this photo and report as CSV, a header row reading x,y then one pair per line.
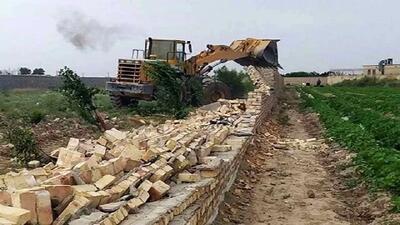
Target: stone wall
x,y
9,82
305,80
175,173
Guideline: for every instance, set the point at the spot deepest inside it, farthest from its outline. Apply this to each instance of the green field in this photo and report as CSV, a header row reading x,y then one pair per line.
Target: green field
x,y
366,121
28,105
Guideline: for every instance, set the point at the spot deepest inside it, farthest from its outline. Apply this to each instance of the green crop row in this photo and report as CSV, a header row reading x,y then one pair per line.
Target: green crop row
x,y
387,104
385,129
380,166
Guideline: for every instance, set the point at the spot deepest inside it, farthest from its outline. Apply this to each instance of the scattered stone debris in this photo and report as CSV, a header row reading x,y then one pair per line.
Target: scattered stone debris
x,y
103,181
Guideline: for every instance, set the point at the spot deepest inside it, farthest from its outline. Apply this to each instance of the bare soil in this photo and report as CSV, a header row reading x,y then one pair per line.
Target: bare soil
x,y
293,176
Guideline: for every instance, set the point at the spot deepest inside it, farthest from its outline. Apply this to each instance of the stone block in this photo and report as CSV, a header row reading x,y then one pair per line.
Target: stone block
x,y
73,208
33,164
158,190
114,135
43,208
6,222
221,148
118,164
102,141
16,215
20,181
68,158
78,189
107,168
26,199
99,150
73,144
187,177
134,204
5,198
143,195
94,197
112,207
64,178
105,182
59,192
150,154
145,186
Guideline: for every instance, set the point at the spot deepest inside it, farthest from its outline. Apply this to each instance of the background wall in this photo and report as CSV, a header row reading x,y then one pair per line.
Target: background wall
x,y
8,82
304,80
330,79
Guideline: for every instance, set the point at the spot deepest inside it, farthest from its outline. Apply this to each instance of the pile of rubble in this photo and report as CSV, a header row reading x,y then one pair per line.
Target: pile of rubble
x,y
104,181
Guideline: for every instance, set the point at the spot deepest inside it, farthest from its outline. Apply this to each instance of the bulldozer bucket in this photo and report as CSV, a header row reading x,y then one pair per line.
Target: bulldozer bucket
x,y
262,52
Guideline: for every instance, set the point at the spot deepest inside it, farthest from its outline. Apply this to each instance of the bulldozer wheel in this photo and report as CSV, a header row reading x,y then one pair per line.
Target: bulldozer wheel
x,y
214,91
122,101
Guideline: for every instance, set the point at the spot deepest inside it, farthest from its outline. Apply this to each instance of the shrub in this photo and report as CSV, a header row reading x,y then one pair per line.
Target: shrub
x,y
238,82
81,97
36,117
25,146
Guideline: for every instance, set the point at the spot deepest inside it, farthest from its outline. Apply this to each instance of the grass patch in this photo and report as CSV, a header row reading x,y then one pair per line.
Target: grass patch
x,y
369,82
34,105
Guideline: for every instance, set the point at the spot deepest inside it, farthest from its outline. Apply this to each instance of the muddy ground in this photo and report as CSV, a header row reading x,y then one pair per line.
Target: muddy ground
x,y
293,176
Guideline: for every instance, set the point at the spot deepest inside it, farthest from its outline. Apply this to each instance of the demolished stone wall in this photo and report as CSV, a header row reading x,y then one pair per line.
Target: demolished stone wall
x,y
174,173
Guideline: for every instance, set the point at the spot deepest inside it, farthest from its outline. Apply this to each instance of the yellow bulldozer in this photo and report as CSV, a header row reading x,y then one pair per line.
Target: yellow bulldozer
x,y
132,83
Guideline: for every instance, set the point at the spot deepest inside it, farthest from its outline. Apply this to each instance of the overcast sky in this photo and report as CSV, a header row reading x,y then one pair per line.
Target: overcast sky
x,y
315,34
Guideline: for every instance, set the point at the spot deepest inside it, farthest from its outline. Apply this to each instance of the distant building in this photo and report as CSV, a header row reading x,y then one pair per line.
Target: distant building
x,y
385,67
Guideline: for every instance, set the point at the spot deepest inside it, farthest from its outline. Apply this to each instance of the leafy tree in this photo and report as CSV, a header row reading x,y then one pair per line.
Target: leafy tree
x,y
38,71
24,71
174,94
238,82
81,96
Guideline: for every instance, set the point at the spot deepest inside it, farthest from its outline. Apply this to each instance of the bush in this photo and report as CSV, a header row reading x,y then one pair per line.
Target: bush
x,y
36,117
25,146
239,83
81,97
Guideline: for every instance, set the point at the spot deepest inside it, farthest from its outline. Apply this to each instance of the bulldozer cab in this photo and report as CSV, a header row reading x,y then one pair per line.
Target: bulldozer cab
x,y
172,51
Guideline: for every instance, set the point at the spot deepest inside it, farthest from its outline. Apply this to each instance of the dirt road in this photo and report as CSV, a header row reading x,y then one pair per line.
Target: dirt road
x,y
288,178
